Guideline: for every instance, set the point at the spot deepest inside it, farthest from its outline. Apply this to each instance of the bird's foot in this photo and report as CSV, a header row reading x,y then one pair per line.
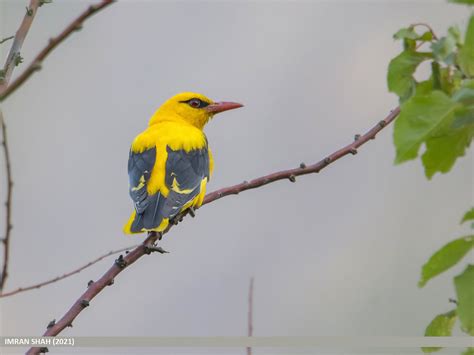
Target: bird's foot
x,y
192,211
153,249
157,235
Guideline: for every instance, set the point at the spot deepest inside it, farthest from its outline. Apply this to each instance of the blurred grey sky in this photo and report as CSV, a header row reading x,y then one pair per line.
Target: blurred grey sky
x,y
337,253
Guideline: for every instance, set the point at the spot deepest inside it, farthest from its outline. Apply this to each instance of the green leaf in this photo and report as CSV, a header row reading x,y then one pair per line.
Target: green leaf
x,y
465,56
468,351
443,50
426,37
455,33
448,82
464,117
466,93
407,32
446,257
468,216
421,117
401,69
442,151
467,2
440,326
464,284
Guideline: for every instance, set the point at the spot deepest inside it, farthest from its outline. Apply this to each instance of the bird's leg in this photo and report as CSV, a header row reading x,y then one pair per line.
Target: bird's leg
x,y
150,243
192,211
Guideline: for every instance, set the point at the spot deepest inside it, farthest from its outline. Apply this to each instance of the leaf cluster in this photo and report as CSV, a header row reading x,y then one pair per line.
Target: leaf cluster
x,y
437,112
445,258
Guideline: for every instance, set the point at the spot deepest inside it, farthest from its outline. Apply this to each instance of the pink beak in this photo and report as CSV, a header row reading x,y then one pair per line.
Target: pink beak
x,y
222,106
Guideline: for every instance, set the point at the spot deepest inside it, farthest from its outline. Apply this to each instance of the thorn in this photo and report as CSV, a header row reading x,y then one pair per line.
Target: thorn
x,y
292,178
51,324
302,165
69,325
120,262
111,282
10,227
245,182
353,151
29,11
43,350
51,40
90,283
452,300
85,303
219,194
327,160
382,124
192,212
356,137
78,27
37,66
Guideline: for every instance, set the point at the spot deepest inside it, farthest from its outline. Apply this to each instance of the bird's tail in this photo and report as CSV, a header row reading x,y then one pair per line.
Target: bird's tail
x,y
136,224
128,229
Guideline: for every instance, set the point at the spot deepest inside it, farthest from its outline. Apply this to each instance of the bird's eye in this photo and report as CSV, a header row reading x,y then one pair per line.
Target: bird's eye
x,y
196,103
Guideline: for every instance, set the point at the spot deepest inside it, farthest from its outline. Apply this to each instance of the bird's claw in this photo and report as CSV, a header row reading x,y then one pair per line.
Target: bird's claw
x,y
192,212
151,249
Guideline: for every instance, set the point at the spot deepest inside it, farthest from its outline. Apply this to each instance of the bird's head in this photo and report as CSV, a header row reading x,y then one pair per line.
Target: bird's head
x,y
191,107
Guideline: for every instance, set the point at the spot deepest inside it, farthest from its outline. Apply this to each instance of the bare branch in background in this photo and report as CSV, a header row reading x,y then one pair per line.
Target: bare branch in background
x,y
123,262
14,57
8,204
6,39
66,275
250,315
75,25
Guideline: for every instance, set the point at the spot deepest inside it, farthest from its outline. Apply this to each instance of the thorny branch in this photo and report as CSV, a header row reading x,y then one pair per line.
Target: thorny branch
x,y
66,275
124,261
8,204
75,25
14,57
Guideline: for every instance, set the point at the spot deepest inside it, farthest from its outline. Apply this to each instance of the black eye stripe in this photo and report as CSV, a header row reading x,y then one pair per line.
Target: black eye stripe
x,y
196,103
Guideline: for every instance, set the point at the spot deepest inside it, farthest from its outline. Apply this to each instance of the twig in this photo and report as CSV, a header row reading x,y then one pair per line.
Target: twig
x,y
123,262
8,204
6,39
428,27
14,57
62,277
250,315
53,43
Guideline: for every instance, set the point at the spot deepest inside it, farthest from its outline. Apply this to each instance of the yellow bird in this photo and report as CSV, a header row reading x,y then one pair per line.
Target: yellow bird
x,y
170,162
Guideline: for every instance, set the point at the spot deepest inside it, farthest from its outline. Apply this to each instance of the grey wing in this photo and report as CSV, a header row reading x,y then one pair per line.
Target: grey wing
x,y
140,166
184,174
147,207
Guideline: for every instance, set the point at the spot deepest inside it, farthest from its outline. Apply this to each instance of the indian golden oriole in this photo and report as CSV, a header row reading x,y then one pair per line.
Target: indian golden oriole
x,y
170,162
